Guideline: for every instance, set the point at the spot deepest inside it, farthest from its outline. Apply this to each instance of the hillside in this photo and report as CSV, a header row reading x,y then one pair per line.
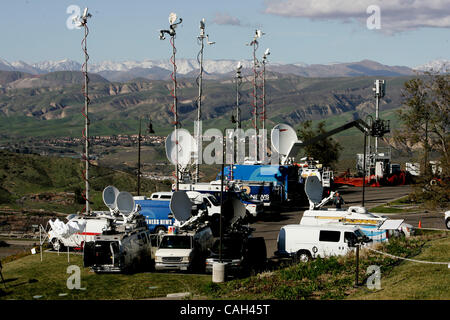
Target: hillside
x,y
22,177
55,110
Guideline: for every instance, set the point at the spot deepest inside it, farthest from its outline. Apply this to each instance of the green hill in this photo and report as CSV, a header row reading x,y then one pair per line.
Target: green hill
x,y
23,175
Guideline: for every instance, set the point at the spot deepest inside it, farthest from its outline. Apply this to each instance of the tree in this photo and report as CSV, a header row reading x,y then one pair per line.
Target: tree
x,y
327,151
425,120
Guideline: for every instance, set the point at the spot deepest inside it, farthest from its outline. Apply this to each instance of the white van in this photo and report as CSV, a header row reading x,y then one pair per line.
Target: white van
x,y
447,219
305,242
162,195
197,198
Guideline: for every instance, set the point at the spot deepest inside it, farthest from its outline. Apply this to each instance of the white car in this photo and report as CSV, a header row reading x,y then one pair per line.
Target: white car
x,y
447,219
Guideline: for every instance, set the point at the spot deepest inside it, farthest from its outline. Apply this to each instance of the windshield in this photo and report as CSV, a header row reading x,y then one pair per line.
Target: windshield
x,y
214,201
176,242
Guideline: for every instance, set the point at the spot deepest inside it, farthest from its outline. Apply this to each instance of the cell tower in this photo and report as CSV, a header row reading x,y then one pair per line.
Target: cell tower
x,y
82,22
174,107
199,81
379,90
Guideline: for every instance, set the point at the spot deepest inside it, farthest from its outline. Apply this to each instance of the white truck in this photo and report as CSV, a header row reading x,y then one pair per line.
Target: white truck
x,y
304,242
89,227
253,207
184,251
447,219
373,225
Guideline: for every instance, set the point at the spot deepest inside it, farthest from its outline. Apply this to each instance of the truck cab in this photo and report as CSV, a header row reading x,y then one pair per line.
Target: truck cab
x,y
185,251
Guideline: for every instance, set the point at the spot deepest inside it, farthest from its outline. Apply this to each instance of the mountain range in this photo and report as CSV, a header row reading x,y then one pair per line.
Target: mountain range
x,y
215,69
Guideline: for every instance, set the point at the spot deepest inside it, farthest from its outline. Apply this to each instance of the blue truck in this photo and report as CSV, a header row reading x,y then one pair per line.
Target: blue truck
x,y
157,214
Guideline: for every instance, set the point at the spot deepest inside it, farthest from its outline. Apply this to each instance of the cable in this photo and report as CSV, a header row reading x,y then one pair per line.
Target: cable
x,y
407,259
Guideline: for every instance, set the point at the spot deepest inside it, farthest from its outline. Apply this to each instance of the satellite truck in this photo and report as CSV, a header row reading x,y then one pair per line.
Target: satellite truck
x,y
283,183
158,215
190,242
376,227
125,245
78,230
184,247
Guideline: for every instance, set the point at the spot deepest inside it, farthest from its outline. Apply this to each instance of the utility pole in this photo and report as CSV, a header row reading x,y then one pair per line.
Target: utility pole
x,y
139,160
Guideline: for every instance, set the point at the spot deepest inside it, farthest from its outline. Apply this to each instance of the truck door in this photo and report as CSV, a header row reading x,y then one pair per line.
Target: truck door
x,y
330,243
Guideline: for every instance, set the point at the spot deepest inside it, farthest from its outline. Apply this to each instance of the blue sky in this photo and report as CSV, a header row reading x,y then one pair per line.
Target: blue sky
x,y
35,30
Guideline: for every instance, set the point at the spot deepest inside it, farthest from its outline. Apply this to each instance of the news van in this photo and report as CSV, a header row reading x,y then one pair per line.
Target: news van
x,y
304,242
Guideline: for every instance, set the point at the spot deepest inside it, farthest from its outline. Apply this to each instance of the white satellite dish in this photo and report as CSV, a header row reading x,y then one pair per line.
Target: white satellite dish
x,y
125,203
283,136
181,206
110,194
314,189
172,18
182,143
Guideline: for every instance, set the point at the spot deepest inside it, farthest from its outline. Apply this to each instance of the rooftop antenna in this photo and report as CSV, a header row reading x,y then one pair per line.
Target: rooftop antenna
x,y
174,108
263,113
255,44
199,81
82,22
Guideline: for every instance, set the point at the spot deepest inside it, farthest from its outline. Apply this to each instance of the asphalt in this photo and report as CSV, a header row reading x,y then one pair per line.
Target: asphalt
x,y
269,224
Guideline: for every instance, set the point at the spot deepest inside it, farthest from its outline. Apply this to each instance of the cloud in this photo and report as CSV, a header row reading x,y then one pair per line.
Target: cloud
x,y
226,19
396,15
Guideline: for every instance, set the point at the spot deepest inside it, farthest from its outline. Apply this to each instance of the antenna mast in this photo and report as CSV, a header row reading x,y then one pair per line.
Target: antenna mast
x,y
255,44
174,108
263,113
199,81
82,22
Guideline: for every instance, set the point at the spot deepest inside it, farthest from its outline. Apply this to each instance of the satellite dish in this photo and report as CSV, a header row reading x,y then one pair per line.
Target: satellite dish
x,y
172,18
125,203
238,210
314,189
110,194
181,206
184,145
283,136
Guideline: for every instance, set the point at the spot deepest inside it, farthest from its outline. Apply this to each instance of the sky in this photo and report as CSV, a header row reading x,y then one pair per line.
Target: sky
x,y
411,32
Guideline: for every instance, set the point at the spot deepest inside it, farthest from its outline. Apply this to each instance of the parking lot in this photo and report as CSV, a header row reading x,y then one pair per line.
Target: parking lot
x,y
269,225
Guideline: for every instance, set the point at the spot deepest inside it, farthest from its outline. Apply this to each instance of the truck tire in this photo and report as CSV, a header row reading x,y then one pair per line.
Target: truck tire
x,y
57,245
447,223
303,256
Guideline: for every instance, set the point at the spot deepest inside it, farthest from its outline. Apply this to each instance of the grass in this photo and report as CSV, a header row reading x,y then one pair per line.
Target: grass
x,y
327,278
28,277
414,280
402,205
333,278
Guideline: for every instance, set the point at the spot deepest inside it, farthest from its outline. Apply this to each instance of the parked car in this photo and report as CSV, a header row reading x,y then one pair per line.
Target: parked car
x,y
304,242
239,254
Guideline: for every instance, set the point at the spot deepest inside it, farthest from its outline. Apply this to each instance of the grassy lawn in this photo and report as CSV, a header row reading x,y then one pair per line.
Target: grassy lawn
x,y
402,205
415,280
333,278
28,277
329,278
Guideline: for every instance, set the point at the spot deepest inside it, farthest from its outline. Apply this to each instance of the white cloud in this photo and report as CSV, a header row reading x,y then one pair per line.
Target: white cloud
x,y
226,19
396,15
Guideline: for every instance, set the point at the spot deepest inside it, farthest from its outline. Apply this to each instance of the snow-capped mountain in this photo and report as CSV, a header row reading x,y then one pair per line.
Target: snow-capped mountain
x,y
160,69
440,65
60,65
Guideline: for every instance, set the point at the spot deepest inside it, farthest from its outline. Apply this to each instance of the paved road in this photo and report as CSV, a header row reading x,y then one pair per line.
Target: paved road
x,y
269,226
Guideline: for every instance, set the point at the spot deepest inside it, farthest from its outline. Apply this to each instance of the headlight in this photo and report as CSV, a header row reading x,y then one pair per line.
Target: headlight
x,y
158,259
185,259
